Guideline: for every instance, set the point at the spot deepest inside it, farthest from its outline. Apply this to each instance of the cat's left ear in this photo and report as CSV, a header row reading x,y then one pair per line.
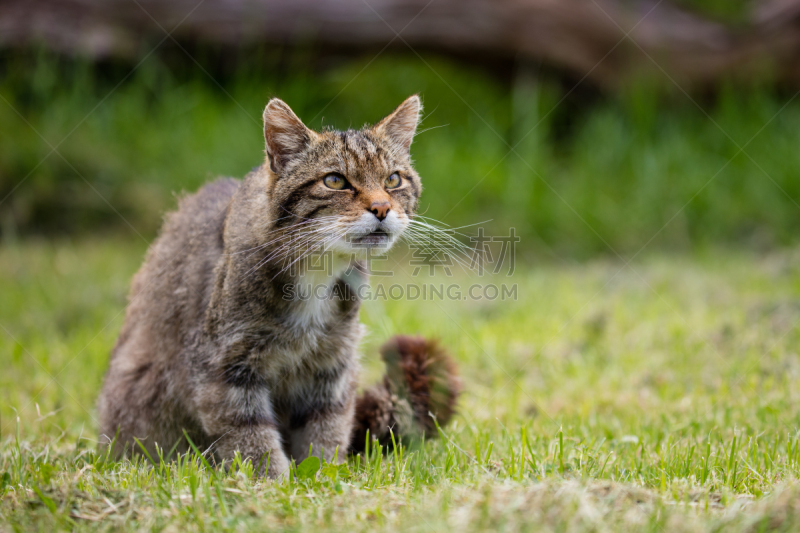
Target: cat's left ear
x,y
285,135
401,125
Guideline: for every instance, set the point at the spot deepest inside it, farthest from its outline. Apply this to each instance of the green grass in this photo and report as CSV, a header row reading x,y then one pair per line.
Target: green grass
x,y
582,179
730,11
659,396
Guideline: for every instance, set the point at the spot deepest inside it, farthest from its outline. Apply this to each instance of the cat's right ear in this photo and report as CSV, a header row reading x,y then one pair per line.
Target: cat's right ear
x,y
401,125
285,135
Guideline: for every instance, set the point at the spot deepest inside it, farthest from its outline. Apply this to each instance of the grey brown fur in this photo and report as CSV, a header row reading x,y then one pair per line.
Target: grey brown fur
x,y
212,347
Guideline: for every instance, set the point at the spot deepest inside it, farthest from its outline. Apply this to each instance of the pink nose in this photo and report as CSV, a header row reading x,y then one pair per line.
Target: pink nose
x,y
380,209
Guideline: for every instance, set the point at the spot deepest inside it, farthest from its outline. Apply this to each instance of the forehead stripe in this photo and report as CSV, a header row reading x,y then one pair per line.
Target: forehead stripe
x,y
351,141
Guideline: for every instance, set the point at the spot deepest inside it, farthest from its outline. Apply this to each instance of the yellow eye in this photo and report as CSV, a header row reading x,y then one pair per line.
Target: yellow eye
x,y
335,181
393,181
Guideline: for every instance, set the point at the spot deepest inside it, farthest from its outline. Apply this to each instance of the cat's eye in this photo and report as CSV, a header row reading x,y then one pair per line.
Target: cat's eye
x,y
335,181
393,181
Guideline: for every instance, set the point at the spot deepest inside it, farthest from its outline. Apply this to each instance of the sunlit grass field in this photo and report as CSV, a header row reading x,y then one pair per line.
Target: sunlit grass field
x,y
659,396
656,395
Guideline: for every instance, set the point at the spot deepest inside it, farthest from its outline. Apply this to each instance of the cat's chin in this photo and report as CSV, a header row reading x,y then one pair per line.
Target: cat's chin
x,y
376,239
365,244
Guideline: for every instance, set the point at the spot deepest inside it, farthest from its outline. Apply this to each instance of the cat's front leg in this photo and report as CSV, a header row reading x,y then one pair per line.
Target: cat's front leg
x,y
261,444
239,417
325,431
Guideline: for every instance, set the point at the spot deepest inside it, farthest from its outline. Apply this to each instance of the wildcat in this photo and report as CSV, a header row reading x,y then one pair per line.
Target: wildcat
x,y
212,349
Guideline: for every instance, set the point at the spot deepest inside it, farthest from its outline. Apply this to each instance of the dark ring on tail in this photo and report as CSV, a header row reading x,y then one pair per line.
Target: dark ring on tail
x,y
420,381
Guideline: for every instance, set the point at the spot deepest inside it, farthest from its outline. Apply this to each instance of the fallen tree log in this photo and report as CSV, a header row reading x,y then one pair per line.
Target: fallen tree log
x,y
606,41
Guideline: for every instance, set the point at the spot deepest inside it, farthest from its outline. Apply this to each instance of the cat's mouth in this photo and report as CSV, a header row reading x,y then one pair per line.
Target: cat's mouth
x,y
378,237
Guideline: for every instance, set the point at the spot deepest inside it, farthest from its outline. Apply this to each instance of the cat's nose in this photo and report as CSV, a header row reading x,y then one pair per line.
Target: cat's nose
x,y
380,209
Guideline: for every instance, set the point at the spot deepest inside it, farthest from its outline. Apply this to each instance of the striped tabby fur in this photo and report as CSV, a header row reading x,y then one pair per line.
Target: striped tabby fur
x,y
212,347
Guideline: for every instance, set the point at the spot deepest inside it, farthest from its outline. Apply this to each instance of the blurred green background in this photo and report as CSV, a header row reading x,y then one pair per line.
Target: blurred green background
x,y
577,171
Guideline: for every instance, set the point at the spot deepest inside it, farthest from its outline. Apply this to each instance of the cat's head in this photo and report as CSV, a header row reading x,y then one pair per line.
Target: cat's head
x,y
347,190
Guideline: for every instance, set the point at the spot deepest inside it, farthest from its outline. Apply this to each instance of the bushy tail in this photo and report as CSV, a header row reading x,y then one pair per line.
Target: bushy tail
x,y
420,381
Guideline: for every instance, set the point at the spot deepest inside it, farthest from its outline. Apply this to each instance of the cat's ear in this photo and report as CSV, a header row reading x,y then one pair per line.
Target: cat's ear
x,y
401,125
285,135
